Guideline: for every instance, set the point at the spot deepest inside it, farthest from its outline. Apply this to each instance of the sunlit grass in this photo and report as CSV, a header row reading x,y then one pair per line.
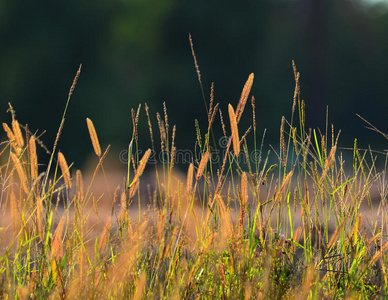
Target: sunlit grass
x,y
238,227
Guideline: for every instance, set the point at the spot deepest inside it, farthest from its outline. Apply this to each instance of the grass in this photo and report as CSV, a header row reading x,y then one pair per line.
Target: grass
x,y
306,227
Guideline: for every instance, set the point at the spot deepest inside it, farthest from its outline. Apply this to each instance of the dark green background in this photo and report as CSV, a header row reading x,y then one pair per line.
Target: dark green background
x,y
138,51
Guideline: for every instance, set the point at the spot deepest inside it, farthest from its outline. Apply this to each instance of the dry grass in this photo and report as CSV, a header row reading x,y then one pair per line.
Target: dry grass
x,y
234,231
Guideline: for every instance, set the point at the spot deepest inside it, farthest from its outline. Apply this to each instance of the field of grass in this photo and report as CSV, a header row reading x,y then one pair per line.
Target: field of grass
x,y
237,227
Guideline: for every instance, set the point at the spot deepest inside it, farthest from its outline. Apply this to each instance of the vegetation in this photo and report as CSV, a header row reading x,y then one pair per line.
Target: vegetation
x,y
237,228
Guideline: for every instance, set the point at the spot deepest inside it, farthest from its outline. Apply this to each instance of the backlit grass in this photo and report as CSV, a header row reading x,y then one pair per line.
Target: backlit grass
x,y
237,227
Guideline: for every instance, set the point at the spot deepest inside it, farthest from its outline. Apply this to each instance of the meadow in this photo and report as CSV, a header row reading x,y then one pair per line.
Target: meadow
x,y
235,226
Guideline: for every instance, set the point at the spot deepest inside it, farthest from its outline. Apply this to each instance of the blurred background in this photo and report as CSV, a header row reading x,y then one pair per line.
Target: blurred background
x,y
135,51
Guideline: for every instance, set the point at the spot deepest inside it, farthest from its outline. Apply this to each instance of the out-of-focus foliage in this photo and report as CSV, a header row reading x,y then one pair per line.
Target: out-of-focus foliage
x,y
138,51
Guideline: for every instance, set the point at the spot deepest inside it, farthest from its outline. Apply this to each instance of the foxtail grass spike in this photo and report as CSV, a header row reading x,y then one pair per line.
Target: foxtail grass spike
x,y
18,133
244,97
65,169
33,158
202,165
141,167
235,136
190,172
94,137
20,171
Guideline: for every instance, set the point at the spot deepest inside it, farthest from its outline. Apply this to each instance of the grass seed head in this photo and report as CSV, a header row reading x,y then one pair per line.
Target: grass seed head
x,y
202,165
234,128
244,188
244,96
93,137
20,171
9,132
18,133
142,165
39,209
12,139
79,185
149,123
33,158
75,81
65,169
57,245
190,172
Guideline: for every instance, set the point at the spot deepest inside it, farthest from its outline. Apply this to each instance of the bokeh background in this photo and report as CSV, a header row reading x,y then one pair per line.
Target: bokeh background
x,y
136,51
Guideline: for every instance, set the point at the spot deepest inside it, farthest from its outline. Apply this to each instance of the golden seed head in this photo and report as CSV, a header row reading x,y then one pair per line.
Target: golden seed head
x,y
18,133
141,167
244,188
202,165
20,171
79,185
57,245
65,169
190,172
39,208
235,136
244,97
93,137
33,158
9,132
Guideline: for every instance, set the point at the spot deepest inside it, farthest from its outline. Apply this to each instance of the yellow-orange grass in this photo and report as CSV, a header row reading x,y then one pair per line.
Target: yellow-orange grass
x,y
39,209
65,169
33,158
235,136
11,138
283,186
226,229
141,167
202,165
140,284
244,198
79,185
57,245
329,162
105,235
20,171
244,188
18,133
57,252
244,96
123,205
9,132
133,189
189,185
93,137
